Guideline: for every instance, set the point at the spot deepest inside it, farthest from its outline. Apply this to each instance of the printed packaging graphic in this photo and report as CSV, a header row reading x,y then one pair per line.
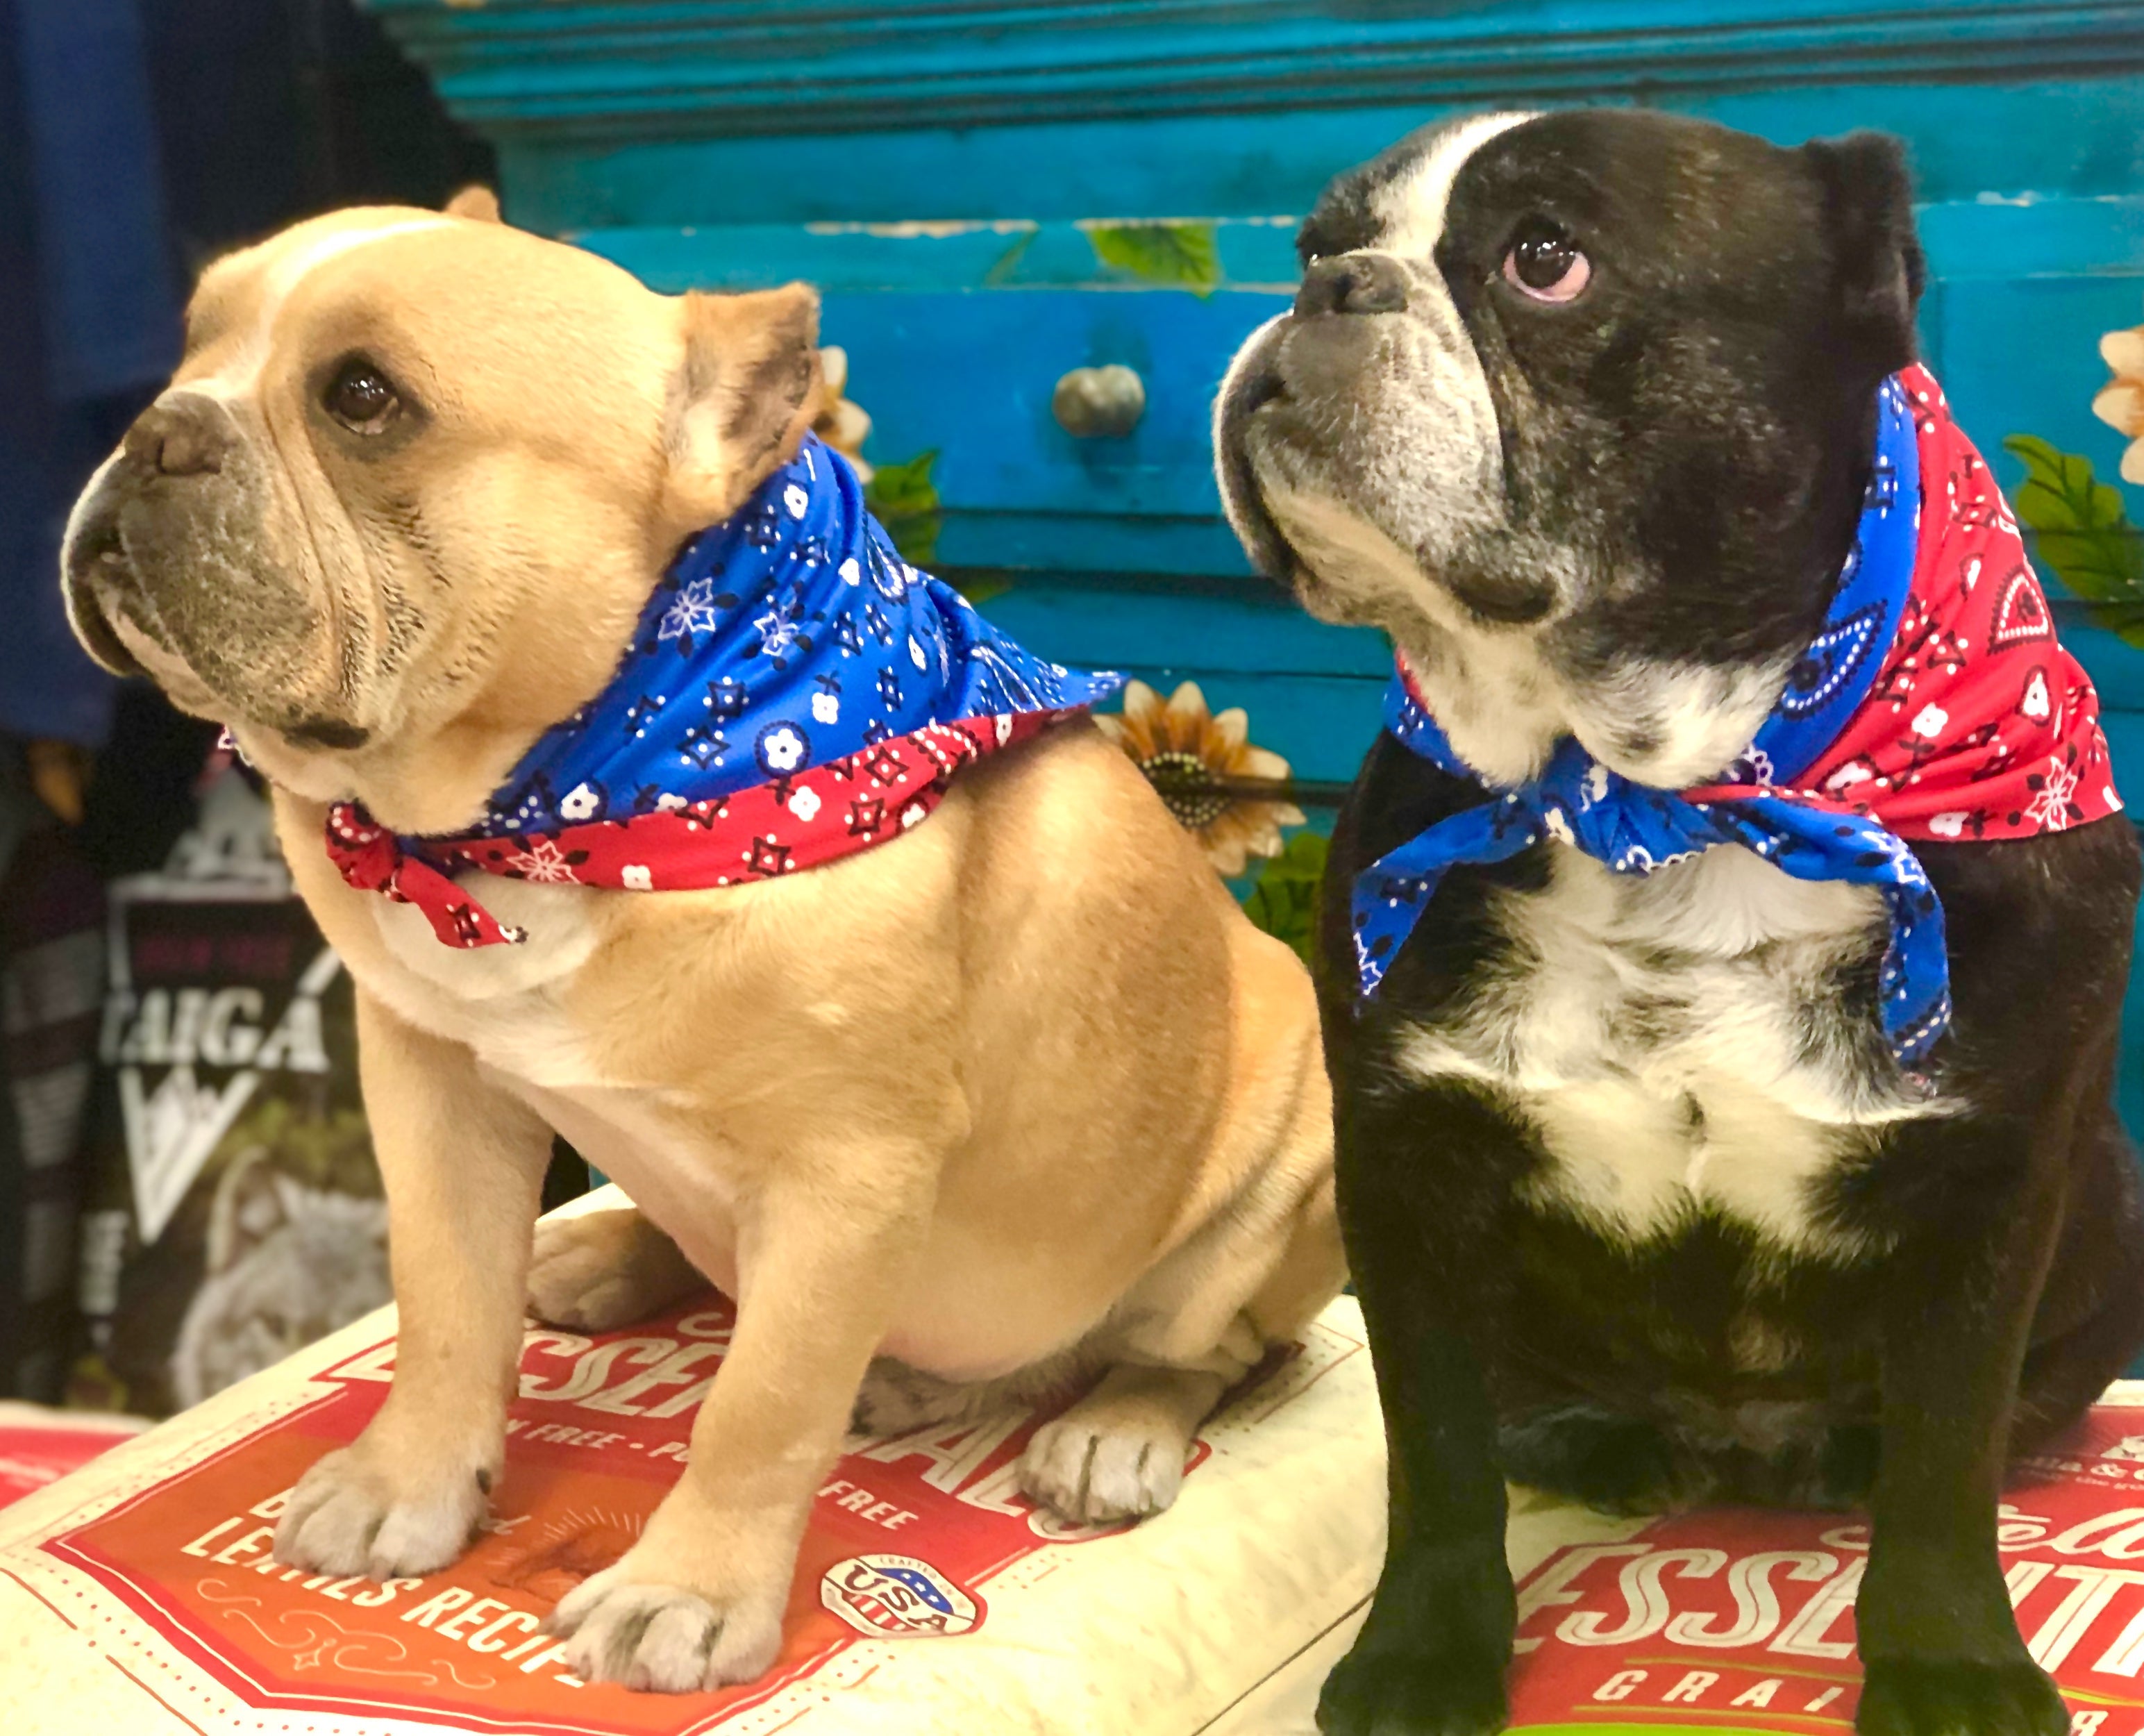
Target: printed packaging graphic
x,y
38,1446
1743,1620
907,1536
235,1211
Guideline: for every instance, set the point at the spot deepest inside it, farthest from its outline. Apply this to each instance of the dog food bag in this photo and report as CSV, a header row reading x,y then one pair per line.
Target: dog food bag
x,y
1743,1620
39,1446
234,1210
139,1595
1735,1622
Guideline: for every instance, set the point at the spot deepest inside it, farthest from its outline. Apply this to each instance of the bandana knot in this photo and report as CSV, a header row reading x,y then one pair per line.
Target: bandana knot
x,y
1934,703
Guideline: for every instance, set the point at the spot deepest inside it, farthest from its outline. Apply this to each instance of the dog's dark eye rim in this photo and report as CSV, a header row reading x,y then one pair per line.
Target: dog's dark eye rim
x,y
361,395
1541,251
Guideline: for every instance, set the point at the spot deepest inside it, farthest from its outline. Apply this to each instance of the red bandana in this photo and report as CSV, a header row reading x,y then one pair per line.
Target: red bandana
x,y
755,834
1979,724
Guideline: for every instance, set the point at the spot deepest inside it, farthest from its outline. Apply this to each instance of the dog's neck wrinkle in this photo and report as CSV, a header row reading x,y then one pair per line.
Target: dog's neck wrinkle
x,y
407,793
433,780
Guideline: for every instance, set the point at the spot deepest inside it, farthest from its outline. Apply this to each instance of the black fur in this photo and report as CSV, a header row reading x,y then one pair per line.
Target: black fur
x,y
1998,1282
1627,419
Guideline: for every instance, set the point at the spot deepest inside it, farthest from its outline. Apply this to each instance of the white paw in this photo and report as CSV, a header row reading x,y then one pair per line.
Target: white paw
x,y
345,1517
593,1273
664,1637
1094,1470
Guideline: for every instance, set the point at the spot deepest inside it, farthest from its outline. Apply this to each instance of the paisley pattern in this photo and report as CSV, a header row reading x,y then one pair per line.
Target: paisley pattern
x,y
1828,668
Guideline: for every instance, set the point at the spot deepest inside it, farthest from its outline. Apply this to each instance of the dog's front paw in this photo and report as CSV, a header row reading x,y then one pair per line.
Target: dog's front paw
x,y
351,1513
668,1638
1390,1692
1953,1697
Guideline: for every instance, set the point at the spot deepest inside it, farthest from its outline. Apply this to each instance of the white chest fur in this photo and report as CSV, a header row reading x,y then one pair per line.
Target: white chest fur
x,y
508,1003
1675,1040
502,1000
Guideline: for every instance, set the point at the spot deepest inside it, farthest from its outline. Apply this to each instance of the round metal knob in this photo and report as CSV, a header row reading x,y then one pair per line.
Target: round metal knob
x,y
1099,403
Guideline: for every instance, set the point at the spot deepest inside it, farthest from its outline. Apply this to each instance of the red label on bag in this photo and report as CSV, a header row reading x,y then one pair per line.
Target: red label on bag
x,y
1743,1620
905,1532
32,1455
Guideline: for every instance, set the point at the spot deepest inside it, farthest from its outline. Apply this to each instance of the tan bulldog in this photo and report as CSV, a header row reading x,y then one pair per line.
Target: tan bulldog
x,y
1068,1121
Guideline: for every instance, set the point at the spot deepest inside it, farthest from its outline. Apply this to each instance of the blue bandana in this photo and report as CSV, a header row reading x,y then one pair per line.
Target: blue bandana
x,y
1634,830
794,692
789,635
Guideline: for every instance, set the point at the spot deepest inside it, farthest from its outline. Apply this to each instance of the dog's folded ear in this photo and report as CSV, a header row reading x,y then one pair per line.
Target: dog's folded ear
x,y
477,202
745,392
1867,195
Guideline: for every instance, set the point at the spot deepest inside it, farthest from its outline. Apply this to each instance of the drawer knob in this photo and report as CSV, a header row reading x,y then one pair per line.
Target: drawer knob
x,y
1099,403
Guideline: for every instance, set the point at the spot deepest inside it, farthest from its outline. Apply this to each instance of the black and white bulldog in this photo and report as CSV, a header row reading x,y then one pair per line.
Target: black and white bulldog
x,y
1651,1194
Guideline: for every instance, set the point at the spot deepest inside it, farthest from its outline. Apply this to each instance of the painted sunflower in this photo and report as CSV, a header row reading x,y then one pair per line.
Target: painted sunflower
x,y
1206,770
2120,401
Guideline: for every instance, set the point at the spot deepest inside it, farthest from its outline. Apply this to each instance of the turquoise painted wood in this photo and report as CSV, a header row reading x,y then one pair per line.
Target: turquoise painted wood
x,y
940,168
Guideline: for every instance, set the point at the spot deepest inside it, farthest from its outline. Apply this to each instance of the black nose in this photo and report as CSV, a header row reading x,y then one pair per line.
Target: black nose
x,y
187,436
1353,283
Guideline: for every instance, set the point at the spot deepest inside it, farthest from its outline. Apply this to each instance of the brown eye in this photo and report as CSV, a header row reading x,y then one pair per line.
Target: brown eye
x,y
1544,264
360,399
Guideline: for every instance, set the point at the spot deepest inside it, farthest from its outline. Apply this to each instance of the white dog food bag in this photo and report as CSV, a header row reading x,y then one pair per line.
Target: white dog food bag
x,y
139,1593
931,1596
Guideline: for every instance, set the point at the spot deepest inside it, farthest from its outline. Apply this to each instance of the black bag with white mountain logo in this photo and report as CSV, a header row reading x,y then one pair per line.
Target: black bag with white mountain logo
x,y
234,1210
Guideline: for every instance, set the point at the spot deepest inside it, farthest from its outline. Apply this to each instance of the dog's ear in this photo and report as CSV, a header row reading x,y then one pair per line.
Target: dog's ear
x,y
477,202
1878,271
745,392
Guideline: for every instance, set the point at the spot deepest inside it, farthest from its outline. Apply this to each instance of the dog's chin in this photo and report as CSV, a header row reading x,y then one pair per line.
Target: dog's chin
x,y
96,632
1336,605
148,655
1347,569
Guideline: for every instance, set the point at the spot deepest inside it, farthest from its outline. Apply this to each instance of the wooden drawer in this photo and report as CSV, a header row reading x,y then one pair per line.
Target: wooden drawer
x,y
957,334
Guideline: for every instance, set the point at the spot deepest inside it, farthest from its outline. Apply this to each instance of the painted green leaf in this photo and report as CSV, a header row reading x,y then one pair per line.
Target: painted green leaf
x,y
901,491
1008,262
1284,897
2081,531
905,500
1180,255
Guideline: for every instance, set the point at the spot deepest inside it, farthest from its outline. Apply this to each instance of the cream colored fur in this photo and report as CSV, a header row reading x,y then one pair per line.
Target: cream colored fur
x,y
1019,1095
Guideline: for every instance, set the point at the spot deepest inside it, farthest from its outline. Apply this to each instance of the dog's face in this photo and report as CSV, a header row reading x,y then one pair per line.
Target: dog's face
x,y
1577,407
400,507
